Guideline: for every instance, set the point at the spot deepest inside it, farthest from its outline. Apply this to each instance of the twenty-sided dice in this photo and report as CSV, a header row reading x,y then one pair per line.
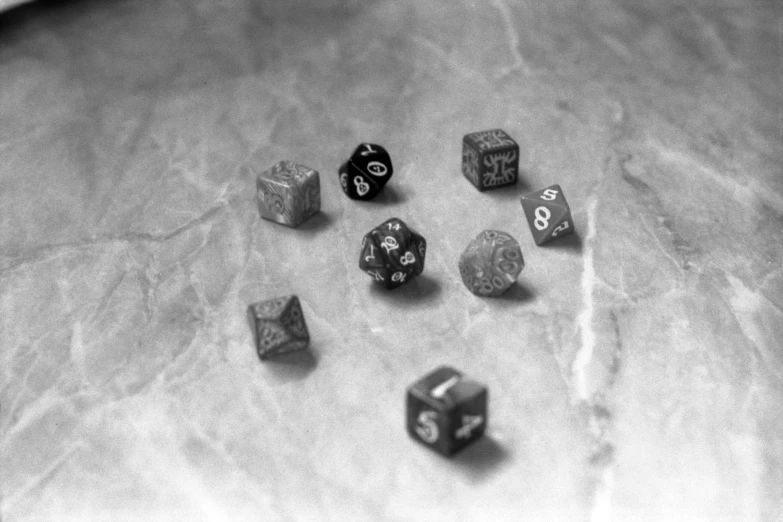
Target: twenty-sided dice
x,y
490,159
288,193
547,214
366,172
278,326
446,411
392,253
491,263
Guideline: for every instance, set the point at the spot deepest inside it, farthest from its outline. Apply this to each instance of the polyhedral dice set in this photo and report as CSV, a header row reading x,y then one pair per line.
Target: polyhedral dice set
x,y
445,411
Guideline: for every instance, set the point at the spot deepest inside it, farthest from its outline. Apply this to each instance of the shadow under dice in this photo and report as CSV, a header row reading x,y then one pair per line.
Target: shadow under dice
x,y
288,193
491,263
364,175
392,253
490,159
446,411
278,326
548,214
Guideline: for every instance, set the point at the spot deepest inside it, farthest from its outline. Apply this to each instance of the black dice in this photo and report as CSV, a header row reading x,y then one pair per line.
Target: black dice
x,y
446,411
366,172
392,253
490,159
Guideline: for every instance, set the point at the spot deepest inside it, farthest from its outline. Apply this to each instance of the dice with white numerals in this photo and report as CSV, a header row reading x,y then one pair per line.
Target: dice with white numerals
x,y
445,411
547,214
392,253
366,172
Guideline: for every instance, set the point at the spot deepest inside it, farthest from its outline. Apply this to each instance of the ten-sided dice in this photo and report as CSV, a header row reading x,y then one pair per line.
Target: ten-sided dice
x,y
392,253
446,411
491,263
490,159
366,172
278,326
288,193
547,214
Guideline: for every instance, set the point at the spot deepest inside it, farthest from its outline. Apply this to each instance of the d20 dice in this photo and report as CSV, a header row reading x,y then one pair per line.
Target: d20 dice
x,y
392,253
548,214
491,263
278,326
446,411
364,175
490,159
288,193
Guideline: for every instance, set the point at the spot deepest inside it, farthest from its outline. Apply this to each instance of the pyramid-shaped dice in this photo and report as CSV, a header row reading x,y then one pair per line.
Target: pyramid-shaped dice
x,y
278,326
548,214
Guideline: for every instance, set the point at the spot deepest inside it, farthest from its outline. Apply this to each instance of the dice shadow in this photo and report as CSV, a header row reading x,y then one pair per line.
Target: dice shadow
x,y
388,196
482,459
293,366
422,288
509,192
317,223
572,242
518,292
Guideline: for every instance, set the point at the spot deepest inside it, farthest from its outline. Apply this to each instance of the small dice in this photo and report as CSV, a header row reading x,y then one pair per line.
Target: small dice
x,y
490,159
491,263
446,411
547,214
278,326
364,175
288,193
392,253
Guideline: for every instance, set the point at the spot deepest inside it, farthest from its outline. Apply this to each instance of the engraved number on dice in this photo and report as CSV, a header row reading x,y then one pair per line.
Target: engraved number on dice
x,y
376,168
372,254
469,423
362,187
426,428
560,228
549,194
344,180
542,218
376,274
368,151
407,259
389,244
399,277
393,226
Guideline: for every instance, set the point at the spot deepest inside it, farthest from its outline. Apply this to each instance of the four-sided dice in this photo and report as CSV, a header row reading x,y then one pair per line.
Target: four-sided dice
x,y
491,263
548,214
366,171
392,253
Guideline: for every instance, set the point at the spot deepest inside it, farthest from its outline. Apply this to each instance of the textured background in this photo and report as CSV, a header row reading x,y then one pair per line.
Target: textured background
x,y
636,371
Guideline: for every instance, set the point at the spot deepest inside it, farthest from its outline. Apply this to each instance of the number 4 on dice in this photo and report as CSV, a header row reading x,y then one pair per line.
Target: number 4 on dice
x,y
547,214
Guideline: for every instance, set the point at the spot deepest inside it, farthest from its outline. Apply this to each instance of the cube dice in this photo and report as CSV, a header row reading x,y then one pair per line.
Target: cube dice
x,y
491,263
288,193
278,326
490,159
548,214
446,411
366,172
392,253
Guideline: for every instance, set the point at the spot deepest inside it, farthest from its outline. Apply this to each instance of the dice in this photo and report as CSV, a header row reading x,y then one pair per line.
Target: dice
x,y
288,193
392,253
491,263
547,214
278,326
446,411
364,175
490,159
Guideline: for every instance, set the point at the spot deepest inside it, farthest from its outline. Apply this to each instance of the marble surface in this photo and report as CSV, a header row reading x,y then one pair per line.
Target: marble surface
x,y
635,371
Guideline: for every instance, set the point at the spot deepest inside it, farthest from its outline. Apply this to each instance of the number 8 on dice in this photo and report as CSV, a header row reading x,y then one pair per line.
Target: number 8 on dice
x,y
547,214
392,253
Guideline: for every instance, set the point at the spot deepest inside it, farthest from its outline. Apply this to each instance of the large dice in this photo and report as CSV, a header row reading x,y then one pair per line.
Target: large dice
x,y
364,175
446,411
490,159
392,253
547,214
288,193
491,263
278,326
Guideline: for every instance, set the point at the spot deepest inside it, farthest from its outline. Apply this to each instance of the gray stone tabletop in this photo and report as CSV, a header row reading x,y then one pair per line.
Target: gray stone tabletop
x,y
635,371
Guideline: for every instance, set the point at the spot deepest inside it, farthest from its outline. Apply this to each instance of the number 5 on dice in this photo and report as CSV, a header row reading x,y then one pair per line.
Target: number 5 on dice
x,y
547,214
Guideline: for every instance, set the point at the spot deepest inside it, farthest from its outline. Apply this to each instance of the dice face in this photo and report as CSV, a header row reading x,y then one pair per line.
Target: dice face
x,y
548,214
288,193
364,175
491,263
445,411
490,159
278,326
392,253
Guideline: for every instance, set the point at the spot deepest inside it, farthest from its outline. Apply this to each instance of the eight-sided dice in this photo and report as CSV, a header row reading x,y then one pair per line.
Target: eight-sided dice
x,y
490,159
547,214
446,411
278,326
392,253
491,263
366,172
288,193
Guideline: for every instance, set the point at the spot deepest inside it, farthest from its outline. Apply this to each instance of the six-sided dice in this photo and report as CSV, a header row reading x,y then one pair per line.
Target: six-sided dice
x,y
364,175
548,214
392,253
491,263
490,159
278,326
446,411
288,193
